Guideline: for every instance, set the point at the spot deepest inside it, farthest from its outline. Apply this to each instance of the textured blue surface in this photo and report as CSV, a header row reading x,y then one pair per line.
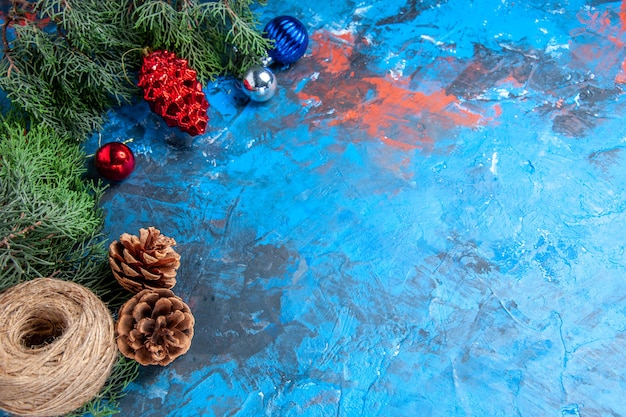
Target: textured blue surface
x,y
426,220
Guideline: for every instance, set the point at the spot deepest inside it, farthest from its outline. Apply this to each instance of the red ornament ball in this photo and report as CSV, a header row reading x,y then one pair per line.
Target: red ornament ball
x,y
115,161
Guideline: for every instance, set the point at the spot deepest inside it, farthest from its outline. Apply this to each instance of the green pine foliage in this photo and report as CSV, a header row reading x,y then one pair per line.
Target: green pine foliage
x,y
65,63
66,75
216,37
49,215
50,227
106,402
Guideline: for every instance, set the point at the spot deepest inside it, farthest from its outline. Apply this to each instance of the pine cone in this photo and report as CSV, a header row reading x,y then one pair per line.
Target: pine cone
x,y
147,261
154,327
173,91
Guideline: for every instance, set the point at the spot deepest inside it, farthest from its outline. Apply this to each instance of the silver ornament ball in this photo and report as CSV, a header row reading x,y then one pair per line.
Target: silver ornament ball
x,y
259,83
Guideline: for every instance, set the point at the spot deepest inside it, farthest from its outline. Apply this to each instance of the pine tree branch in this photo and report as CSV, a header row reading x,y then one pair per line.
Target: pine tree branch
x,y
17,13
66,61
46,207
5,240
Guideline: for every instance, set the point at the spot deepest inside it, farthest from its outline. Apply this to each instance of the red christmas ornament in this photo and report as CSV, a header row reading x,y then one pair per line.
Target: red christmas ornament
x,y
114,161
173,92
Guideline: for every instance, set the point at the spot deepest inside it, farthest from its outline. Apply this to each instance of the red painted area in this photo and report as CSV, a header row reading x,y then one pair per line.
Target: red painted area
x,y
620,78
405,118
603,58
510,81
333,51
383,107
603,25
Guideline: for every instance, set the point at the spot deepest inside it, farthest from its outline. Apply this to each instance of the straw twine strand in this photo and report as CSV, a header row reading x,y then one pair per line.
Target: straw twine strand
x,y
57,347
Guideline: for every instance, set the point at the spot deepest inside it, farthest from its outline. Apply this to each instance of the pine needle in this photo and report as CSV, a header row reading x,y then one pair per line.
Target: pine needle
x,y
66,63
48,211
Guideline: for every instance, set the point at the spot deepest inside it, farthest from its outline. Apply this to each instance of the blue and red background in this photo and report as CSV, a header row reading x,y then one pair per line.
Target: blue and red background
x,y
428,219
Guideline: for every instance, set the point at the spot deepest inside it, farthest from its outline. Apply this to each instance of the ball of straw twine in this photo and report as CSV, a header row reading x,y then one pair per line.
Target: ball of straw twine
x,y
57,347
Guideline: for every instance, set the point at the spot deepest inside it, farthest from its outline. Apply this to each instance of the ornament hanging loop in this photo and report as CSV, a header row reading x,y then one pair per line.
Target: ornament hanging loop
x,y
144,51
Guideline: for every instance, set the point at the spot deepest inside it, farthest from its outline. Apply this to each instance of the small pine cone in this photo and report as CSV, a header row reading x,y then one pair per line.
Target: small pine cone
x,y
173,92
154,327
147,261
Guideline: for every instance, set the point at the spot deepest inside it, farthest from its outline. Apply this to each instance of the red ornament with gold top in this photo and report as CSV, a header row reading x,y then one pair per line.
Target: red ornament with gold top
x,y
173,92
114,161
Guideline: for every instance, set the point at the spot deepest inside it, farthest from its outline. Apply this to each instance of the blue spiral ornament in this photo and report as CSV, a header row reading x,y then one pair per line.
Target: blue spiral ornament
x,y
290,39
